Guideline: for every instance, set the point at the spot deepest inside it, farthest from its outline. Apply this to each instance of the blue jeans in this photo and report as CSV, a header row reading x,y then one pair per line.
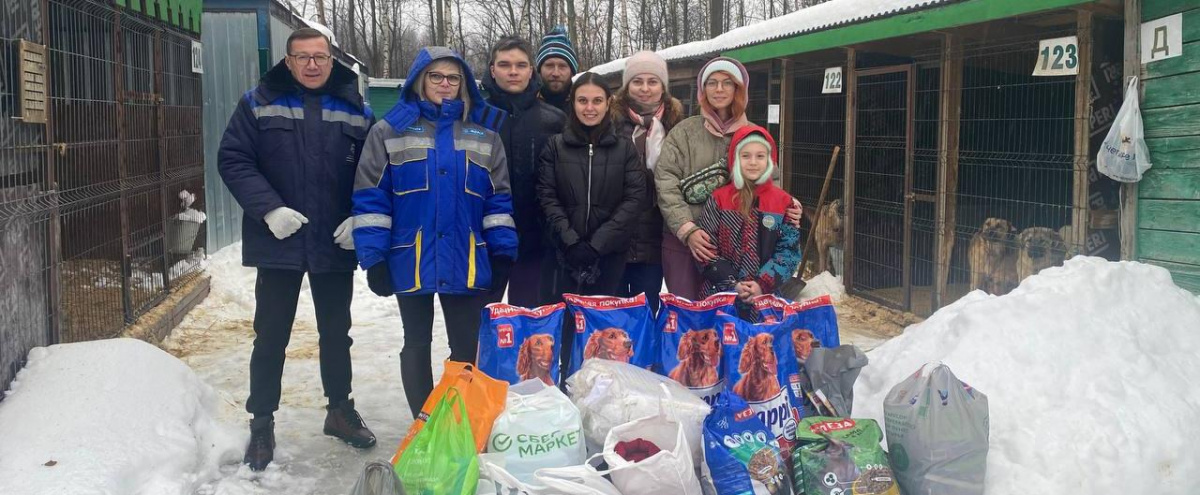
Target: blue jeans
x,y
642,277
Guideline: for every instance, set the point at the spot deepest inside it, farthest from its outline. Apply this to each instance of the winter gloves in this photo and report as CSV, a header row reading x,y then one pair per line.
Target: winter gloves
x,y
581,254
379,279
343,235
501,269
284,222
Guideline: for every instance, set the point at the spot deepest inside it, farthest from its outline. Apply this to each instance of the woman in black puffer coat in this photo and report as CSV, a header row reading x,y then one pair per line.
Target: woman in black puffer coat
x,y
592,188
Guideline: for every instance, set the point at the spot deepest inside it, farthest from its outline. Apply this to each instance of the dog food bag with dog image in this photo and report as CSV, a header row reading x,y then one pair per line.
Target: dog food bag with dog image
x,y
742,455
770,307
842,456
819,318
760,367
614,328
937,433
691,345
518,344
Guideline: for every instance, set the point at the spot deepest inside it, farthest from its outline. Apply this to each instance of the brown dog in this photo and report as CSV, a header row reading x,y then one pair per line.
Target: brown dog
x,y
699,356
828,233
612,344
758,367
803,342
1038,248
992,257
535,358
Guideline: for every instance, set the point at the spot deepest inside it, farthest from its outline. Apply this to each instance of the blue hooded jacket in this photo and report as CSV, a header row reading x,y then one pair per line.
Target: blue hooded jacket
x,y
432,196
288,146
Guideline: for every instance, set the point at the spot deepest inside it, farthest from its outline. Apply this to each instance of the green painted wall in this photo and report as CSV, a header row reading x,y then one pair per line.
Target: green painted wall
x,y
382,99
180,13
1169,194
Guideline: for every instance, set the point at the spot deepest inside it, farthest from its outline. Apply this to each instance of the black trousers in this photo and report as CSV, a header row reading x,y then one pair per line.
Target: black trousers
x,y
462,313
276,293
612,272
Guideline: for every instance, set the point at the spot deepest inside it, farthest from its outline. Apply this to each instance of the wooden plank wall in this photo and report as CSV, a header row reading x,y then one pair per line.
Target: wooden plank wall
x,y
1169,194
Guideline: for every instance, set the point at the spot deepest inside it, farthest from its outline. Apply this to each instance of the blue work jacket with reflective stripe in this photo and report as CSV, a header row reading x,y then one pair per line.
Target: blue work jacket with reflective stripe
x,y
286,146
432,196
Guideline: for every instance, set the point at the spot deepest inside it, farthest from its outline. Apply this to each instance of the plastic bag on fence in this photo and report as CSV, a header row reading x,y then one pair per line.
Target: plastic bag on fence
x,y
1123,156
582,479
483,395
539,428
937,433
378,478
441,458
610,393
670,470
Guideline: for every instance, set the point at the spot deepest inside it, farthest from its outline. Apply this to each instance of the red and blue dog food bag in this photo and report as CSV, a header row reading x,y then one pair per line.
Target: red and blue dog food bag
x,y
741,453
691,341
613,328
819,318
517,344
770,307
761,368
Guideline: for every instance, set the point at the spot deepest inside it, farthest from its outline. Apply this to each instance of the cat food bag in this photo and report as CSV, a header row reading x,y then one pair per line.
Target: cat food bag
x,y
760,368
691,343
841,456
614,328
518,344
742,455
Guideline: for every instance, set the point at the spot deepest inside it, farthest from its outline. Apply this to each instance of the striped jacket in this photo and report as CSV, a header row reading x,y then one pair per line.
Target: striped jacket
x,y
285,146
432,196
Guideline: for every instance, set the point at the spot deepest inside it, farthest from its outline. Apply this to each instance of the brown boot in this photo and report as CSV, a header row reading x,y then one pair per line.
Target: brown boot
x,y
261,450
343,422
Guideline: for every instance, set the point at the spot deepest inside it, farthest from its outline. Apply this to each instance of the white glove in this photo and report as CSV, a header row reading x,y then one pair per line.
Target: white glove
x,y
343,235
284,222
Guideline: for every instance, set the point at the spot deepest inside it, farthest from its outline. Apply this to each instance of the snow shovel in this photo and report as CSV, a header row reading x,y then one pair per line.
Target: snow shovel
x,y
792,287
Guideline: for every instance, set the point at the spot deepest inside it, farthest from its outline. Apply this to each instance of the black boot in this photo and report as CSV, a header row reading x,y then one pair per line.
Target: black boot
x,y
416,373
261,450
342,421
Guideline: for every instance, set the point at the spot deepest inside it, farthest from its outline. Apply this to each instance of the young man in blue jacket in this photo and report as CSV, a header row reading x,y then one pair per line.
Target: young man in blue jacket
x,y
289,156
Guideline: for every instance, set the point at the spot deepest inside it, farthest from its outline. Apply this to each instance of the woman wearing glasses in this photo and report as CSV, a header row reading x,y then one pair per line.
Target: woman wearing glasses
x,y
432,208
692,165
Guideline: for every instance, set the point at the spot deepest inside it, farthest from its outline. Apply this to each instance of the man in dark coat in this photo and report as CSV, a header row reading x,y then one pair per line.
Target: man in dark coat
x,y
289,156
513,87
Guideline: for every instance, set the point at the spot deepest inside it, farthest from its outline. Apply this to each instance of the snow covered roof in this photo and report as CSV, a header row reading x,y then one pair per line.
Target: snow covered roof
x,y
819,17
383,82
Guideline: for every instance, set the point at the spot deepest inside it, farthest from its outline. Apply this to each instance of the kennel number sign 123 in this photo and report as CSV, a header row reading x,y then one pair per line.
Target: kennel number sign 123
x,y
1058,57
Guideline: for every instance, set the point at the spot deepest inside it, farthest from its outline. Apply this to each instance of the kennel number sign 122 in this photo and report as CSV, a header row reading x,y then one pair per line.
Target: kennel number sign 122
x,y
1058,57
833,80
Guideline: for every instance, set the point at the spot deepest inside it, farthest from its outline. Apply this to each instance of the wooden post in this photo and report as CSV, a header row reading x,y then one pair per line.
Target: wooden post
x,y
909,142
54,226
159,132
1129,191
1083,114
785,128
947,184
851,89
122,164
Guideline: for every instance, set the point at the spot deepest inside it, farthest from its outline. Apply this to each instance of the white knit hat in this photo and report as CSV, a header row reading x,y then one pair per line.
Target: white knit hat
x,y
736,171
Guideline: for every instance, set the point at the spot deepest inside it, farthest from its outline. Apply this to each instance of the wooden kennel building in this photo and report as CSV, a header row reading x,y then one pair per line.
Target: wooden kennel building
x,y
944,124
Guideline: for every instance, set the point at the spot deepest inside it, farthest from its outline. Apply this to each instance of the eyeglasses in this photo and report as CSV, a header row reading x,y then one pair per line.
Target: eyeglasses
x,y
321,60
438,78
726,84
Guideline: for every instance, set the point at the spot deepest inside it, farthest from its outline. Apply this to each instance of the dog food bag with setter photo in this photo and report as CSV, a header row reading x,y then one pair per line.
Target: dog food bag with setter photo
x,y
937,433
814,326
517,344
760,367
610,393
539,428
842,456
742,455
691,344
613,328
770,307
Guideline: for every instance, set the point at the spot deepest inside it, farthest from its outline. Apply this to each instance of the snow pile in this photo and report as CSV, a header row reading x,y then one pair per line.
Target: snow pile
x,y
820,16
1090,371
824,284
110,416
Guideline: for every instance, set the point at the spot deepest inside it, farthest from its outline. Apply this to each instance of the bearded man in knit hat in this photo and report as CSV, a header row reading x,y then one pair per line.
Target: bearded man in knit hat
x,y
556,63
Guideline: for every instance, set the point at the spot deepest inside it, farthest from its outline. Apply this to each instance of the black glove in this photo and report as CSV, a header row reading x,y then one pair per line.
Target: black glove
x,y
721,273
379,279
581,254
501,270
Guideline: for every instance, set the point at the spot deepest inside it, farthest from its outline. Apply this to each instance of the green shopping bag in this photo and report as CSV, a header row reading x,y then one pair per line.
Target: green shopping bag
x,y
441,459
